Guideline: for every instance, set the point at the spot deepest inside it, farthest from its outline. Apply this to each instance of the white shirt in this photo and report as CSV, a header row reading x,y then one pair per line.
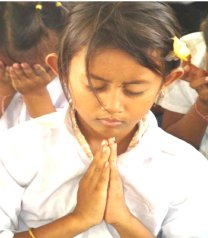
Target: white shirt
x,y
17,112
179,96
41,164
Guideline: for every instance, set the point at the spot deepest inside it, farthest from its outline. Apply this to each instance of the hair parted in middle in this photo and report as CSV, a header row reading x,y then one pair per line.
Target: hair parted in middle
x,y
145,30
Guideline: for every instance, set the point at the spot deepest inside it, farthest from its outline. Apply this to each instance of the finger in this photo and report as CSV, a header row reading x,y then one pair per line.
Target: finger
x,y
97,174
192,72
28,71
39,69
99,160
113,147
7,78
104,177
18,72
14,79
114,175
198,83
41,72
115,180
12,74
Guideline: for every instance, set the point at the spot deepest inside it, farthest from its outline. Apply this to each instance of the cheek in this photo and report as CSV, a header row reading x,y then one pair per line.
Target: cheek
x,y
140,108
84,100
141,105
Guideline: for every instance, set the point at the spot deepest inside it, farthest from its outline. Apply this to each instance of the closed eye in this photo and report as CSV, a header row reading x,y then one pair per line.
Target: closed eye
x,y
97,89
133,94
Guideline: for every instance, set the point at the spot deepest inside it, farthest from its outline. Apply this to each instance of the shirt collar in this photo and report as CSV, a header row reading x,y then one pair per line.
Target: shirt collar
x,y
71,123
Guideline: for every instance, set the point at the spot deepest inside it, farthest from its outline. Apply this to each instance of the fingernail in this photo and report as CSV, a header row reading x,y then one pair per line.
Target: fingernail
x,y
16,65
112,140
37,67
8,68
104,148
24,65
104,142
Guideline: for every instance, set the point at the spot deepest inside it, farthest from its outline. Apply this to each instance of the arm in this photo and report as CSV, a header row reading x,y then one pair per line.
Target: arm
x,y
31,83
132,227
190,126
89,211
117,214
65,227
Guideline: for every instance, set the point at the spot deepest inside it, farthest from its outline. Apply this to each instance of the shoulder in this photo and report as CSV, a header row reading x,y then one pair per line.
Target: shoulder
x,y
170,147
181,154
38,125
196,44
30,135
26,147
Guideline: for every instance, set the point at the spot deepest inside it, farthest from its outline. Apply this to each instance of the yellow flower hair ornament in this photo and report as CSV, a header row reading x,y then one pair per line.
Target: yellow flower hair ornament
x,y
58,4
180,51
38,6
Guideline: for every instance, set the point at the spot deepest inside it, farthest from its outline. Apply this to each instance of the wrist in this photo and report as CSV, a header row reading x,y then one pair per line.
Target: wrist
x,y
201,109
132,227
202,104
83,224
123,220
35,93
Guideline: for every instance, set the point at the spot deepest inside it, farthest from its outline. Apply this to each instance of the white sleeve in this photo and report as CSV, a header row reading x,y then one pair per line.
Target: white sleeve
x,y
18,168
188,216
186,220
10,202
178,97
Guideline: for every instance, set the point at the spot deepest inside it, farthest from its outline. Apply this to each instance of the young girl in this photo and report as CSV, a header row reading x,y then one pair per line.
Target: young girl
x,y
105,169
28,86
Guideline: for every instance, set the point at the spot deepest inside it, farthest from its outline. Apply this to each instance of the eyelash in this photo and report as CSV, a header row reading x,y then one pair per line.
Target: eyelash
x,y
130,94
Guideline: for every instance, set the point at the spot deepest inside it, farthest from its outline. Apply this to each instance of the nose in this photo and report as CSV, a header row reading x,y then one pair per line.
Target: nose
x,y
113,102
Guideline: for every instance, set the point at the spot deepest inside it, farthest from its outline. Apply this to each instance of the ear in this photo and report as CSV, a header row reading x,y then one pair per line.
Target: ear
x,y
173,75
51,61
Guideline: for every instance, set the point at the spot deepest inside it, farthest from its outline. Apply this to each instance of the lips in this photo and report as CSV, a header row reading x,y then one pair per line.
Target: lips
x,y
112,122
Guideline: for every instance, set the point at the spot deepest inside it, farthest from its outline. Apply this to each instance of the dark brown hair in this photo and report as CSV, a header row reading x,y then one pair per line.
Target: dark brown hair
x,y
138,28
33,33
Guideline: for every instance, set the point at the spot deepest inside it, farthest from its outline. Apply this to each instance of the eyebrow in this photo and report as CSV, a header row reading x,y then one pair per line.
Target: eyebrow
x,y
95,77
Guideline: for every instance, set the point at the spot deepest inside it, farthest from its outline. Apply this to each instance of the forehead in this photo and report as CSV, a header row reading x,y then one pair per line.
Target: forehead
x,y
110,63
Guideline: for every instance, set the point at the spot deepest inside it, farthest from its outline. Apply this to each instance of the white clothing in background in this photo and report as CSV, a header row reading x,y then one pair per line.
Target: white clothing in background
x,y
41,164
17,112
179,96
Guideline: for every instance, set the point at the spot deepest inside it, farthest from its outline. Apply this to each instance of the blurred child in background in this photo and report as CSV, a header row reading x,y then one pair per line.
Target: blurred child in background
x,y
185,102
28,87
